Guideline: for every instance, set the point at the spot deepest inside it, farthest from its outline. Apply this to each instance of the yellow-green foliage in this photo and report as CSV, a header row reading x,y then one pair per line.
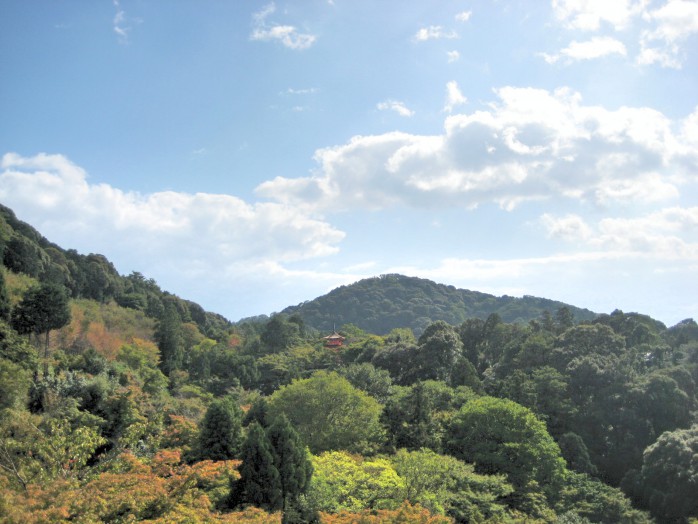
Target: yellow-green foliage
x,y
17,284
345,482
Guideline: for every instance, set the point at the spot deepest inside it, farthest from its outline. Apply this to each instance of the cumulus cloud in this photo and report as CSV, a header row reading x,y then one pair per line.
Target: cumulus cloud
x,y
454,97
453,56
394,105
663,28
288,35
667,234
597,47
591,14
673,24
434,32
203,230
529,144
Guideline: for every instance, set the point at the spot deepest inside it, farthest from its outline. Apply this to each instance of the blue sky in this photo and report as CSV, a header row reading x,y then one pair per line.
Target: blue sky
x,y
252,155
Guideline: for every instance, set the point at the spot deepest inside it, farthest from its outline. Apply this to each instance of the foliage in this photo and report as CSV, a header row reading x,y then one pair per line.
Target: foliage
x,y
220,435
345,482
501,436
590,498
380,304
446,485
42,309
405,514
100,433
330,413
668,481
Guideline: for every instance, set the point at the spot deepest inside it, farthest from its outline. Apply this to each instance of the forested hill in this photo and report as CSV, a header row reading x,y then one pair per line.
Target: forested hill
x,y
23,250
383,303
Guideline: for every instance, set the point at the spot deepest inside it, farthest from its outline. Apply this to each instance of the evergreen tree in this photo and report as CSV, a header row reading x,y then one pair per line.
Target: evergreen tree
x,y
258,412
170,340
221,431
259,483
4,299
291,460
42,309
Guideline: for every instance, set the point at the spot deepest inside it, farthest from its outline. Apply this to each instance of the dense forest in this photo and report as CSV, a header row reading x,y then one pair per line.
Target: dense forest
x,y
380,304
121,402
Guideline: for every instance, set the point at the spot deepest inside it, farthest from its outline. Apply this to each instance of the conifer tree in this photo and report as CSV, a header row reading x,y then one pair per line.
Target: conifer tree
x,y
291,460
170,340
220,436
4,299
259,483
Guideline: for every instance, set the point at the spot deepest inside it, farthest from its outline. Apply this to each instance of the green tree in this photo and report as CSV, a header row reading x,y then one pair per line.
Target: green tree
x,y
259,483
667,484
4,298
170,339
291,459
365,376
280,333
591,499
342,481
439,347
42,309
220,435
330,413
501,436
448,486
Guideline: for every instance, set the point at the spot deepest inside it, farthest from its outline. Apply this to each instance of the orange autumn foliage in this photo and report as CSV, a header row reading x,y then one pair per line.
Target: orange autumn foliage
x,y
405,514
162,489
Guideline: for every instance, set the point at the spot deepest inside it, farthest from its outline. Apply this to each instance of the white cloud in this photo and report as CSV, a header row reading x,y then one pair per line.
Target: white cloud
x,y
434,32
119,21
205,230
530,144
667,234
287,35
453,56
673,24
589,15
454,97
597,47
464,16
569,227
393,105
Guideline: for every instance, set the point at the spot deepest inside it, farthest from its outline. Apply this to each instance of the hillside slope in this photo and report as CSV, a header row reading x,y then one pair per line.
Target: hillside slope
x,y
380,304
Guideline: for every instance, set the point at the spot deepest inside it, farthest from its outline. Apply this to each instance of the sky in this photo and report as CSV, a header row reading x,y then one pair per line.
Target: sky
x,y
251,155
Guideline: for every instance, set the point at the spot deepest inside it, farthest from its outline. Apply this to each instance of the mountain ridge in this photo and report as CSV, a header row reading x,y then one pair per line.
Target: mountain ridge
x,y
382,303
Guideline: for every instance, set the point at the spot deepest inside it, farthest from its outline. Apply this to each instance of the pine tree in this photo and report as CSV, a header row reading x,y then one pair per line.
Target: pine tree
x,y
4,299
220,436
259,484
170,340
291,460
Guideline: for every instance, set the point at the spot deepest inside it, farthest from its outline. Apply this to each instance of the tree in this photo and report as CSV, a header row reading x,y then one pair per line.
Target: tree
x,y
280,333
170,339
345,482
501,436
42,309
291,459
221,431
259,483
330,413
668,481
439,348
4,299
446,485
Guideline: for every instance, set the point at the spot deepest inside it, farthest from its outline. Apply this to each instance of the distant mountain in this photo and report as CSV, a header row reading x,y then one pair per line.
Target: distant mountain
x,y
380,304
